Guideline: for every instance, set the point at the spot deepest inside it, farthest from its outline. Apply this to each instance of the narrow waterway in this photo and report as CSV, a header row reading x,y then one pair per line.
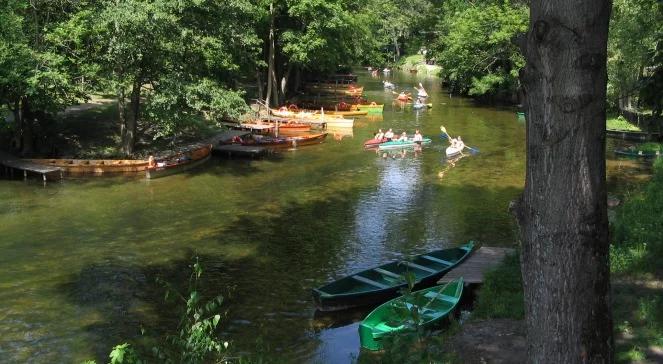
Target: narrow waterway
x,y
79,259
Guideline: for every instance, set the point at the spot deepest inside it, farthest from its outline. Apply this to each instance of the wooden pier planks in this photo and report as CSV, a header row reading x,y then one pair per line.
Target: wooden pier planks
x,y
474,267
11,162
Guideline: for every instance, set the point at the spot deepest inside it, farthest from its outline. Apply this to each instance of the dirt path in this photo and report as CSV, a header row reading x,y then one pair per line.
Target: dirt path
x,y
499,341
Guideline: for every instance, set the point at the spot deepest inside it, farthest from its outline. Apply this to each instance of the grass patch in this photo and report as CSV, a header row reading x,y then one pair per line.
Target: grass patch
x,y
620,123
501,295
637,276
637,247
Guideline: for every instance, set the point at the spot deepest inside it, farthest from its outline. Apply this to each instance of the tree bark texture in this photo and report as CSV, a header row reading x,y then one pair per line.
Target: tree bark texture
x,y
129,141
563,211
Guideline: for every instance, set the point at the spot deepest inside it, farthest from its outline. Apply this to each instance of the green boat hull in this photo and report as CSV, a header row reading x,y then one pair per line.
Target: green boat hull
x,y
379,284
397,316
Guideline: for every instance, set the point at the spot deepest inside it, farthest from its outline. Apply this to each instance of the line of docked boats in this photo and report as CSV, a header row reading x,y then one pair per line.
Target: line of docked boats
x,y
387,285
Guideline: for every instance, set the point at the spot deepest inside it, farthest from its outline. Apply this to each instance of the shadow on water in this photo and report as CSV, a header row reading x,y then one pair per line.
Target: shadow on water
x,y
297,246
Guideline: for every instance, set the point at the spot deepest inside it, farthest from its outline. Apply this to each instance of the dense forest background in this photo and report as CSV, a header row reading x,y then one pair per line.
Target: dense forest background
x,y
173,64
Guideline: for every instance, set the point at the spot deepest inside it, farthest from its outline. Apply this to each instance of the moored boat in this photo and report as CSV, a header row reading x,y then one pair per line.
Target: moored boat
x,y
637,153
371,108
396,316
95,166
378,284
282,141
181,161
347,113
395,144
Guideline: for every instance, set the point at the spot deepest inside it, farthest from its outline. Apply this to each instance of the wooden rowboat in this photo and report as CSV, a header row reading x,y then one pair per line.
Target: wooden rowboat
x,y
347,113
372,107
180,161
285,141
95,166
396,316
378,284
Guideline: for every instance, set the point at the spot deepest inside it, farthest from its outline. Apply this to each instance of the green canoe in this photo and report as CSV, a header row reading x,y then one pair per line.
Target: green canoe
x,y
379,284
403,144
398,315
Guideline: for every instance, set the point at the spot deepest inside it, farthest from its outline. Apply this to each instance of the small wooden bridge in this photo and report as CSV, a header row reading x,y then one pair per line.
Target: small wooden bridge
x,y
11,165
474,267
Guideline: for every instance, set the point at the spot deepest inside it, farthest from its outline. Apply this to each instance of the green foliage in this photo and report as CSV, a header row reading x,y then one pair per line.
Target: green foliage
x,y
476,50
620,123
638,229
195,341
124,354
636,37
501,295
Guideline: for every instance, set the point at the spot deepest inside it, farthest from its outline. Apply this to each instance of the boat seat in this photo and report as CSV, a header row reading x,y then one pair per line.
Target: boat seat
x,y
440,296
370,282
421,267
437,260
388,273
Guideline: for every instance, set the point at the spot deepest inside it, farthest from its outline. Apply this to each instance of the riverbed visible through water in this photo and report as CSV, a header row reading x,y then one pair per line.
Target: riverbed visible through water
x,y
79,258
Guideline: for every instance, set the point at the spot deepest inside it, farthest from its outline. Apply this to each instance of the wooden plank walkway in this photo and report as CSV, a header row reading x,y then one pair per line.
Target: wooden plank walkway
x,y
474,267
11,163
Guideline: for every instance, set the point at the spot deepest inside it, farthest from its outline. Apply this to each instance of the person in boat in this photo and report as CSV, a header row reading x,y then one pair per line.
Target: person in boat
x,y
418,138
151,162
389,135
379,135
418,102
421,91
460,143
402,96
403,137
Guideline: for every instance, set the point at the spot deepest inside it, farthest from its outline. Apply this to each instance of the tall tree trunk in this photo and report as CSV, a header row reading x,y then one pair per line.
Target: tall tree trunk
x,y
270,56
129,141
563,211
122,114
397,49
25,125
259,82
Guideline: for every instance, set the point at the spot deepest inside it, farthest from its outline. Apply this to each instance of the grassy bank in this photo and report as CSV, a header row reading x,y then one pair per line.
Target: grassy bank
x,y
416,62
637,277
620,123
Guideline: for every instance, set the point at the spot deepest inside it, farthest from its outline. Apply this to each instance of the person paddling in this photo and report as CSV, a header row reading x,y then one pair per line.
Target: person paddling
x,y
389,134
418,138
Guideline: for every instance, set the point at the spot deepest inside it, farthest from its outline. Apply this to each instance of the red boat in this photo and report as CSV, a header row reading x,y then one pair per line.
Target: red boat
x,y
282,142
372,143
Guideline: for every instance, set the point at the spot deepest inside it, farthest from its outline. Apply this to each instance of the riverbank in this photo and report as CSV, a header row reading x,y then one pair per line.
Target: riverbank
x,y
91,130
637,286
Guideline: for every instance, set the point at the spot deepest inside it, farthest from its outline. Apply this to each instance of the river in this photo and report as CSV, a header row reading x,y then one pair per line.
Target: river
x,y
79,258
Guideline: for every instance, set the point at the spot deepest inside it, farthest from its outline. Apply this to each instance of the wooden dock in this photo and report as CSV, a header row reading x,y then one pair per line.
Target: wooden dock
x,y
474,267
11,164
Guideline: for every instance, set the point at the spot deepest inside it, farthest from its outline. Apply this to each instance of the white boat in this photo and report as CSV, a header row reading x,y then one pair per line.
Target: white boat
x,y
454,150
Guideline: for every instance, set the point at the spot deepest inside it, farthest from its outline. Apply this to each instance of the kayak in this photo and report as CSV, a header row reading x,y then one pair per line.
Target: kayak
x,y
403,144
372,143
378,284
396,316
422,105
453,151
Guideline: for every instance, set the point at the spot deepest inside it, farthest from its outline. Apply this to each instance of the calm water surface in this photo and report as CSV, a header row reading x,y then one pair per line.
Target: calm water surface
x,y
78,259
